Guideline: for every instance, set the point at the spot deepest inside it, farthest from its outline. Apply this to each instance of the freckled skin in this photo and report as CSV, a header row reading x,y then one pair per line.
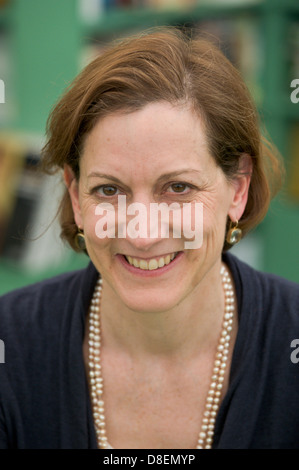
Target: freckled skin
x,y
137,148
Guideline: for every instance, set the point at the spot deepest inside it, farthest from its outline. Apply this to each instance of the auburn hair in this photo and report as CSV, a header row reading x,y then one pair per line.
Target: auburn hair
x,y
165,64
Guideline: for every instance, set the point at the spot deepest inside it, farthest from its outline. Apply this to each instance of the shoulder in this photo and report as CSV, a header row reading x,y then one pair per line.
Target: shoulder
x,y
42,304
268,311
41,329
269,291
41,323
264,369
44,293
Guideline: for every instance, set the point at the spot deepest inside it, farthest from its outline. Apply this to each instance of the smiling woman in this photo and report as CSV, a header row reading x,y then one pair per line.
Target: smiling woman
x,y
140,148
157,344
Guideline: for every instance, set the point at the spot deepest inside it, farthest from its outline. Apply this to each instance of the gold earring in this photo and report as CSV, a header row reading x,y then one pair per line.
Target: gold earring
x,y
80,240
234,234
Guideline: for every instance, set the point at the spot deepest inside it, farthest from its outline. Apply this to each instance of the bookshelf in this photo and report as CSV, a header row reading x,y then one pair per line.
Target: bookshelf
x,y
120,20
50,42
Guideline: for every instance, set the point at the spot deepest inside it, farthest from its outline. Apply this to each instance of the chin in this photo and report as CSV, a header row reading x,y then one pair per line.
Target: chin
x,y
150,300
144,290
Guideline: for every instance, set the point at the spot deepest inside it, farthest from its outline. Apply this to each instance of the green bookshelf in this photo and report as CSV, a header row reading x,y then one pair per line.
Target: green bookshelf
x,y
47,41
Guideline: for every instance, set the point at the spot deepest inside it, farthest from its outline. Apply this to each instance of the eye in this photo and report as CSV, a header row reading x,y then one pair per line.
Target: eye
x,y
179,187
107,190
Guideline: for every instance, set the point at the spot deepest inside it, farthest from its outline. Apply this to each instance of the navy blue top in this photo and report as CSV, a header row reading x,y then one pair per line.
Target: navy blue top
x,y
44,398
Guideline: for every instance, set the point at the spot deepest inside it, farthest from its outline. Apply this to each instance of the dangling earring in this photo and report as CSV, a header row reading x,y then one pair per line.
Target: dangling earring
x,y
234,233
80,240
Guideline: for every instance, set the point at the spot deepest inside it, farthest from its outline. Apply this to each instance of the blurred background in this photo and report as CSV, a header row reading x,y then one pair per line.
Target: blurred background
x,y
45,43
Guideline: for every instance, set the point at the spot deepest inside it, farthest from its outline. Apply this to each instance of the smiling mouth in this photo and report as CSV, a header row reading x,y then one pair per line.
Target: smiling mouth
x,y
152,263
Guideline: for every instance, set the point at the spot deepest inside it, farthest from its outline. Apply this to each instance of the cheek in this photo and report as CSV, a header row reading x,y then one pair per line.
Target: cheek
x,y
214,217
215,210
89,219
97,246
214,232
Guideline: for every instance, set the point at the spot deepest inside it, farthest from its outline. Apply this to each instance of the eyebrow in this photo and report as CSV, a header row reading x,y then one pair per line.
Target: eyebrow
x,y
161,178
95,174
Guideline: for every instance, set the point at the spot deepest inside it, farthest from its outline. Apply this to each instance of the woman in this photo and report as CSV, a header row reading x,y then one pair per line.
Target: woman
x,y
155,345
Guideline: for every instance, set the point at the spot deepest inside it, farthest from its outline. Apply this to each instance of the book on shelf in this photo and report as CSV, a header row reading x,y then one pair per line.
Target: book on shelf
x,y
29,231
25,201
10,168
44,247
240,40
92,10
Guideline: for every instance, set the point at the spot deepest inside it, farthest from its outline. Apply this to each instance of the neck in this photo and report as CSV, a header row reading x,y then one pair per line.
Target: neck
x,y
182,331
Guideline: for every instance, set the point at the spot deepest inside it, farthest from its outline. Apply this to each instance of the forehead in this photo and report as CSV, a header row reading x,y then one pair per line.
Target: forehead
x,y
158,136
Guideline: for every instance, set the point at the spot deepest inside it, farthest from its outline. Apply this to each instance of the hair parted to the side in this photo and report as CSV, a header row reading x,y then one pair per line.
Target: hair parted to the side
x,y
164,64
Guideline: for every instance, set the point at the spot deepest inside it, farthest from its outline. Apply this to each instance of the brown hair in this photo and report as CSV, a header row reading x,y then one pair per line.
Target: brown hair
x,y
166,65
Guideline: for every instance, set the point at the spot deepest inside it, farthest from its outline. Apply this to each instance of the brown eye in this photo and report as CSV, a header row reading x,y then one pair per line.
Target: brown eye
x,y
178,187
107,190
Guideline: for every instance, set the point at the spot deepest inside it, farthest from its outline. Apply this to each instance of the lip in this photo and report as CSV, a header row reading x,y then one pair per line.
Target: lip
x,y
147,273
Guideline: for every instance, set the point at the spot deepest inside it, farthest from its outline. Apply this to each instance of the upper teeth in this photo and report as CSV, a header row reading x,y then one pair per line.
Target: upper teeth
x,y
153,263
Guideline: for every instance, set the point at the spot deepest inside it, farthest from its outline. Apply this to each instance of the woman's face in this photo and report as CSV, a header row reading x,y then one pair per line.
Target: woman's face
x,y
158,154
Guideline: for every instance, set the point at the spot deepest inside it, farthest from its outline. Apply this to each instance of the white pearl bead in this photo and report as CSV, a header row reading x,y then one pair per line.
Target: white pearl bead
x,y
205,439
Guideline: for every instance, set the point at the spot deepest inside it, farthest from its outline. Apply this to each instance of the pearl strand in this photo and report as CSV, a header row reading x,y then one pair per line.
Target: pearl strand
x,y
94,363
205,439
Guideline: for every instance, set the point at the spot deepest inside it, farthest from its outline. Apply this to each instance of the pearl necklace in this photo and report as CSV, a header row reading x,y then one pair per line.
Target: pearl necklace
x,y
205,439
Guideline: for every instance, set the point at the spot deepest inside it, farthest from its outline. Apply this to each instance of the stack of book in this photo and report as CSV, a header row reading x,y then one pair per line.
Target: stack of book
x,y
29,233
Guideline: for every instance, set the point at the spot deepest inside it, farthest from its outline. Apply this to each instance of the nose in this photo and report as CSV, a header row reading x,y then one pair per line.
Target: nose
x,y
140,246
139,230
141,225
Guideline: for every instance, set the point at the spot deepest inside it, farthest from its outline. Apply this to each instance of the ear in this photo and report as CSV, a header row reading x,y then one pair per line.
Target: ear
x,y
72,185
240,185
